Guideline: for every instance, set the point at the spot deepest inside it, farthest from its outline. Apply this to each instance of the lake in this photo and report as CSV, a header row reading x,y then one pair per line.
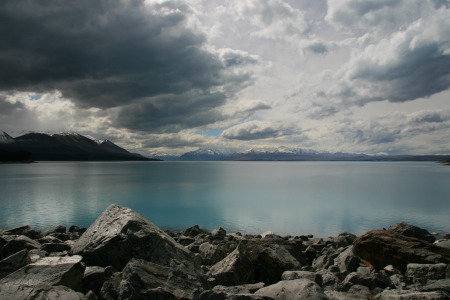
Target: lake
x,y
320,198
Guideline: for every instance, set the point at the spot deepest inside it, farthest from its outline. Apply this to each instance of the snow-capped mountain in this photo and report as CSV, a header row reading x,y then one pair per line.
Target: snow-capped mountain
x,y
5,138
68,146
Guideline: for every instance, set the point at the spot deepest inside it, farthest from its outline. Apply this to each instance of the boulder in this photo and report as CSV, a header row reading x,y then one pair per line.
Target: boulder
x,y
10,244
347,261
344,239
12,292
95,277
120,234
211,254
257,261
219,233
422,273
14,262
48,271
55,229
372,281
408,294
293,289
387,247
55,247
443,243
239,289
412,231
358,293
219,295
139,276
440,285
194,231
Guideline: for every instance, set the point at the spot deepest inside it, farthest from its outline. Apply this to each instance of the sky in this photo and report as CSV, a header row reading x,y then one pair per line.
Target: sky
x,y
167,77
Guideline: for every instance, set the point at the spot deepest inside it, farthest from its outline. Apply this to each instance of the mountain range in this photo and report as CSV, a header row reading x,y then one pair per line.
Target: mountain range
x,y
293,154
61,147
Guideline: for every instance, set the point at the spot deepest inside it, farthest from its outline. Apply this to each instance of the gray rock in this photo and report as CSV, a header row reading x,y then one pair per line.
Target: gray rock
x,y
49,271
291,275
337,295
293,289
120,234
55,229
90,295
10,244
323,262
372,281
440,285
344,239
139,276
194,231
12,292
219,233
412,231
347,261
94,278
239,289
211,254
411,295
422,273
14,262
110,289
257,261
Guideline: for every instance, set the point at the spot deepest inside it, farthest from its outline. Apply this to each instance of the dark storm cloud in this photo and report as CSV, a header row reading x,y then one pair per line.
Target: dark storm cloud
x,y
171,113
111,53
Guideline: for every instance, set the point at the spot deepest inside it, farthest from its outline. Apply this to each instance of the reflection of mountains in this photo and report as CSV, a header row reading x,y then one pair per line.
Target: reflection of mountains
x,y
61,147
286,154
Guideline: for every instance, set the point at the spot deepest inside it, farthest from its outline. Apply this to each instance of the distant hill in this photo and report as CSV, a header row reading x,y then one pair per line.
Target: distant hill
x,y
62,147
289,154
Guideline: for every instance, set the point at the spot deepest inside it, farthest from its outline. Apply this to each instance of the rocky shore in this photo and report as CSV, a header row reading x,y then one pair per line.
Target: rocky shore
x,y
122,255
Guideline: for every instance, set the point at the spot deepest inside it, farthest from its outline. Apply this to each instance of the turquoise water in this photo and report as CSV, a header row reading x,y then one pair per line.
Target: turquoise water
x,y
320,198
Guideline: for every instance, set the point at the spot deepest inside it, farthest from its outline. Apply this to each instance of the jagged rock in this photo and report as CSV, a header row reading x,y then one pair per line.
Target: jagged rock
x,y
412,231
50,271
194,231
55,229
185,240
10,244
12,292
120,234
257,261
356,292
293,289
391,270
347,261
329,280
14,262
291,275
219,233
212,254
344,239
372,281
95,277
399,281
139,275
411,295
24,230
322,262
219,295
387,247
110,289
422,273
440,285
90,295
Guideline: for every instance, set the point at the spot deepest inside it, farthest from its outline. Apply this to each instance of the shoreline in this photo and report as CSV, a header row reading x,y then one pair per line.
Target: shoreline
x,y
122,255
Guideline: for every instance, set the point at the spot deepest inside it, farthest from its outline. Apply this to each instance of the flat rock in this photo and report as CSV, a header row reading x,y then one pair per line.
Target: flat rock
x,y
14,262
422,273
292,290
291,275
59,292
411,295
10,244
120,234
440,285
48,271
387,247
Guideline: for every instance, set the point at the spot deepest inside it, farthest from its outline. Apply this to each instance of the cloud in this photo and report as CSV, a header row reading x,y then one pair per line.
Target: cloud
x,y
393,127
255,130
113,53
274,19
358,16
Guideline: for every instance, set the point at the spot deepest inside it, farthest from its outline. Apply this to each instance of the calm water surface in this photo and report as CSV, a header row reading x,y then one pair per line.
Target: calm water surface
x,y
321,198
